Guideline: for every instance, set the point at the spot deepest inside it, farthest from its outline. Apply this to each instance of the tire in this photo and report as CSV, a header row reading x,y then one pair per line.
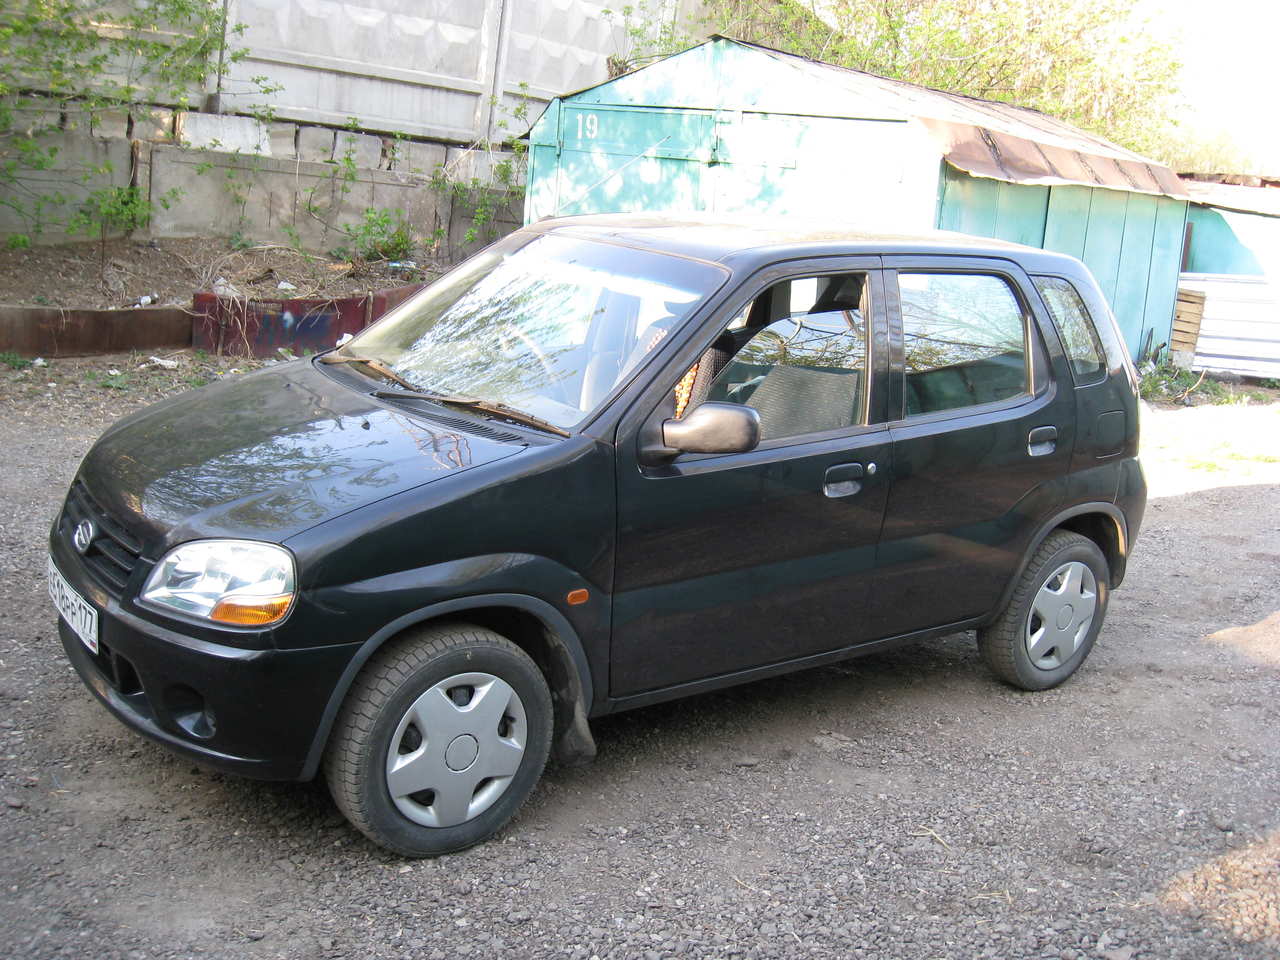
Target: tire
x,y
440,740
1041,637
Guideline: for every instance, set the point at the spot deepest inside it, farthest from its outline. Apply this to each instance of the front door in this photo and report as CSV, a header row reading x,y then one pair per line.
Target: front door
x,y
730,562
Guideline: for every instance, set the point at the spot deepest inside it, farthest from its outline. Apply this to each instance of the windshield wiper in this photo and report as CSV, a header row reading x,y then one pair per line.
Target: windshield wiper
x,y
484,406
377,366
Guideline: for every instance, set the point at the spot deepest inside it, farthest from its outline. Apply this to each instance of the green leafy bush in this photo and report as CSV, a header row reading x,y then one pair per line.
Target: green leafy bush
x,y
1172,384
13,361
109,211
381,235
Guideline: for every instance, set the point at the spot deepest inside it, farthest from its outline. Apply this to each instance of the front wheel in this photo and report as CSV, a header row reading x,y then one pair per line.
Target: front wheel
x,y
441,739
1050,623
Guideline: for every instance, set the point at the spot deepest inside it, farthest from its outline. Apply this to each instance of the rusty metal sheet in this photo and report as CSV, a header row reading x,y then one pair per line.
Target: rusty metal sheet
x,y
985,152
260,328
53,332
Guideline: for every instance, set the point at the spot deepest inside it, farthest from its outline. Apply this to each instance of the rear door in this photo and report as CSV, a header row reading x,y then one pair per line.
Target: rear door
x,y
981,435
731,562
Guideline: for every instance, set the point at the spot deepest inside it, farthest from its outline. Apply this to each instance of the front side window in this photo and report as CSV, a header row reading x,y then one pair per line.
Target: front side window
x,y
1079,335
797,355
548,327
964,339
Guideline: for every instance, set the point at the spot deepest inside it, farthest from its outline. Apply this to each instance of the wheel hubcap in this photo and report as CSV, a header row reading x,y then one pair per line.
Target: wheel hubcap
x,y
462,752
1061,615
456,749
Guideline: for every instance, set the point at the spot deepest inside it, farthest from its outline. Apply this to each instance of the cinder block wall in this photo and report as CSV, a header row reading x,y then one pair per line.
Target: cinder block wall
x,y
269,182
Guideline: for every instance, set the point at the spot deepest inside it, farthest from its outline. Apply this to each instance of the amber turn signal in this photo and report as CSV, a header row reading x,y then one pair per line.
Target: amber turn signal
x,y
577,597
251,612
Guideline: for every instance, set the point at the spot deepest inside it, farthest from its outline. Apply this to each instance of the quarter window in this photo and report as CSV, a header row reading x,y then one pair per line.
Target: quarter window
x,y
1079,335
964,338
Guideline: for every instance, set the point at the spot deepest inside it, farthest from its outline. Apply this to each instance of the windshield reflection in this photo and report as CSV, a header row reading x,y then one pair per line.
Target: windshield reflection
x,y
548,326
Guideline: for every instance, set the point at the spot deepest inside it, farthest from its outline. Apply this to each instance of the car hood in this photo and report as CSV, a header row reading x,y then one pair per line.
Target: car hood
x,y
267,456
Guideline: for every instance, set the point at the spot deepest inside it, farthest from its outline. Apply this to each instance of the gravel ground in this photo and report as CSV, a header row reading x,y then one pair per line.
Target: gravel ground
x,y
901,805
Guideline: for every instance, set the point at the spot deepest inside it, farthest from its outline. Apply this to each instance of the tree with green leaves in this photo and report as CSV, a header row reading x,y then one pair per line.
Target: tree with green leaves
x,y
64,64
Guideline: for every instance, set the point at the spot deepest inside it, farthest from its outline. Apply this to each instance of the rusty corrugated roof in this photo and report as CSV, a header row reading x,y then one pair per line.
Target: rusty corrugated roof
x,y
989,138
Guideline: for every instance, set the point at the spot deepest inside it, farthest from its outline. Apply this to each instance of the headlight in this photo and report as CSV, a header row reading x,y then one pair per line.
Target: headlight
x,y
240,582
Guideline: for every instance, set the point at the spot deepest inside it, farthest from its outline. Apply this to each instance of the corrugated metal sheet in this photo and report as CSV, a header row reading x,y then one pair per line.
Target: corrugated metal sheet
x,y
1240,331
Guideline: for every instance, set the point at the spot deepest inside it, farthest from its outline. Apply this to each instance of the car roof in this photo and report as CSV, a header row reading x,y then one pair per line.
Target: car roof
x,y
752,240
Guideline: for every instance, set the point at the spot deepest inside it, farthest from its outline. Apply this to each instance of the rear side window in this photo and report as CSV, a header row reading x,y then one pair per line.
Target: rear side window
x,y
1079,335
964,337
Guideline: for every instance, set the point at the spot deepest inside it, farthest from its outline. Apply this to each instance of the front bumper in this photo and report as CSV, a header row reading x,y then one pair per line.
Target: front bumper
x,y
251,712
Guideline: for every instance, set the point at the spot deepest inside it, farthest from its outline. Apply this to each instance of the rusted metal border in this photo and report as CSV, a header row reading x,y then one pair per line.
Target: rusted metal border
x,y
261,328
53,332
219,324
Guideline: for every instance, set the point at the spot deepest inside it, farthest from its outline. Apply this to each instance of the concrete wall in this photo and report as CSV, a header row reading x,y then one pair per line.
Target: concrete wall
x,y
82,163
441,74
236,176
446,71
267,199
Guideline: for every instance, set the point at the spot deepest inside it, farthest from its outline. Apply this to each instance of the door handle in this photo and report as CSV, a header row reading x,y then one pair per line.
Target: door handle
x,y
841,479
1042,441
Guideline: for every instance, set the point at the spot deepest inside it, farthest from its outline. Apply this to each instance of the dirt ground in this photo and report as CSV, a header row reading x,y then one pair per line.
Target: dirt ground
x,y
75,275
904,805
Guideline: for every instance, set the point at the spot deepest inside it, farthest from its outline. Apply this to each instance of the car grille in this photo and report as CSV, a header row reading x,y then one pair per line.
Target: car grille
x,y
114,552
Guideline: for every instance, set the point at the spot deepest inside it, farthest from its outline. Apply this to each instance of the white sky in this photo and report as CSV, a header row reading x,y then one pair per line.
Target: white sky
x,y
1230,50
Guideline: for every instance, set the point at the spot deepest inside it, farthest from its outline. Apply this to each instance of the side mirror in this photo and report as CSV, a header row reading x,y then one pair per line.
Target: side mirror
x,y
713,428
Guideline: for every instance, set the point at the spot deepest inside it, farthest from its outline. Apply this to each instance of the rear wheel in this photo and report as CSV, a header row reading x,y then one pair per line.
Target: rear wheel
x,y
442,737
1050,623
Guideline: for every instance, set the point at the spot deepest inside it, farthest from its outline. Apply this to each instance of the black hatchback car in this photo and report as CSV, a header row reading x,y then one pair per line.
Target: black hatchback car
x,y
607,462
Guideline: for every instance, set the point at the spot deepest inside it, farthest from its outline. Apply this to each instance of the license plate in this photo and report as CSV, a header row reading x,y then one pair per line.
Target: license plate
x,y
73,608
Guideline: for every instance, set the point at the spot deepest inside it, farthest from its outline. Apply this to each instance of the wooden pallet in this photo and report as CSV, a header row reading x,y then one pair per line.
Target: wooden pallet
x,y
1186,320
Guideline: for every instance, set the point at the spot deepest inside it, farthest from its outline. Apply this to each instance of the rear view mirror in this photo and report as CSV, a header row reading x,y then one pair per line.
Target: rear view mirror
x,y
713,428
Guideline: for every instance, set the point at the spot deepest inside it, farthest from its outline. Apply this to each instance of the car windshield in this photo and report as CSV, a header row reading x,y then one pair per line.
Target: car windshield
x,y
548,326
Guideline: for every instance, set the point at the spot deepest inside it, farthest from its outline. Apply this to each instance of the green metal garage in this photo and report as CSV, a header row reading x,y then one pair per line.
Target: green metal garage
x,y
732,127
